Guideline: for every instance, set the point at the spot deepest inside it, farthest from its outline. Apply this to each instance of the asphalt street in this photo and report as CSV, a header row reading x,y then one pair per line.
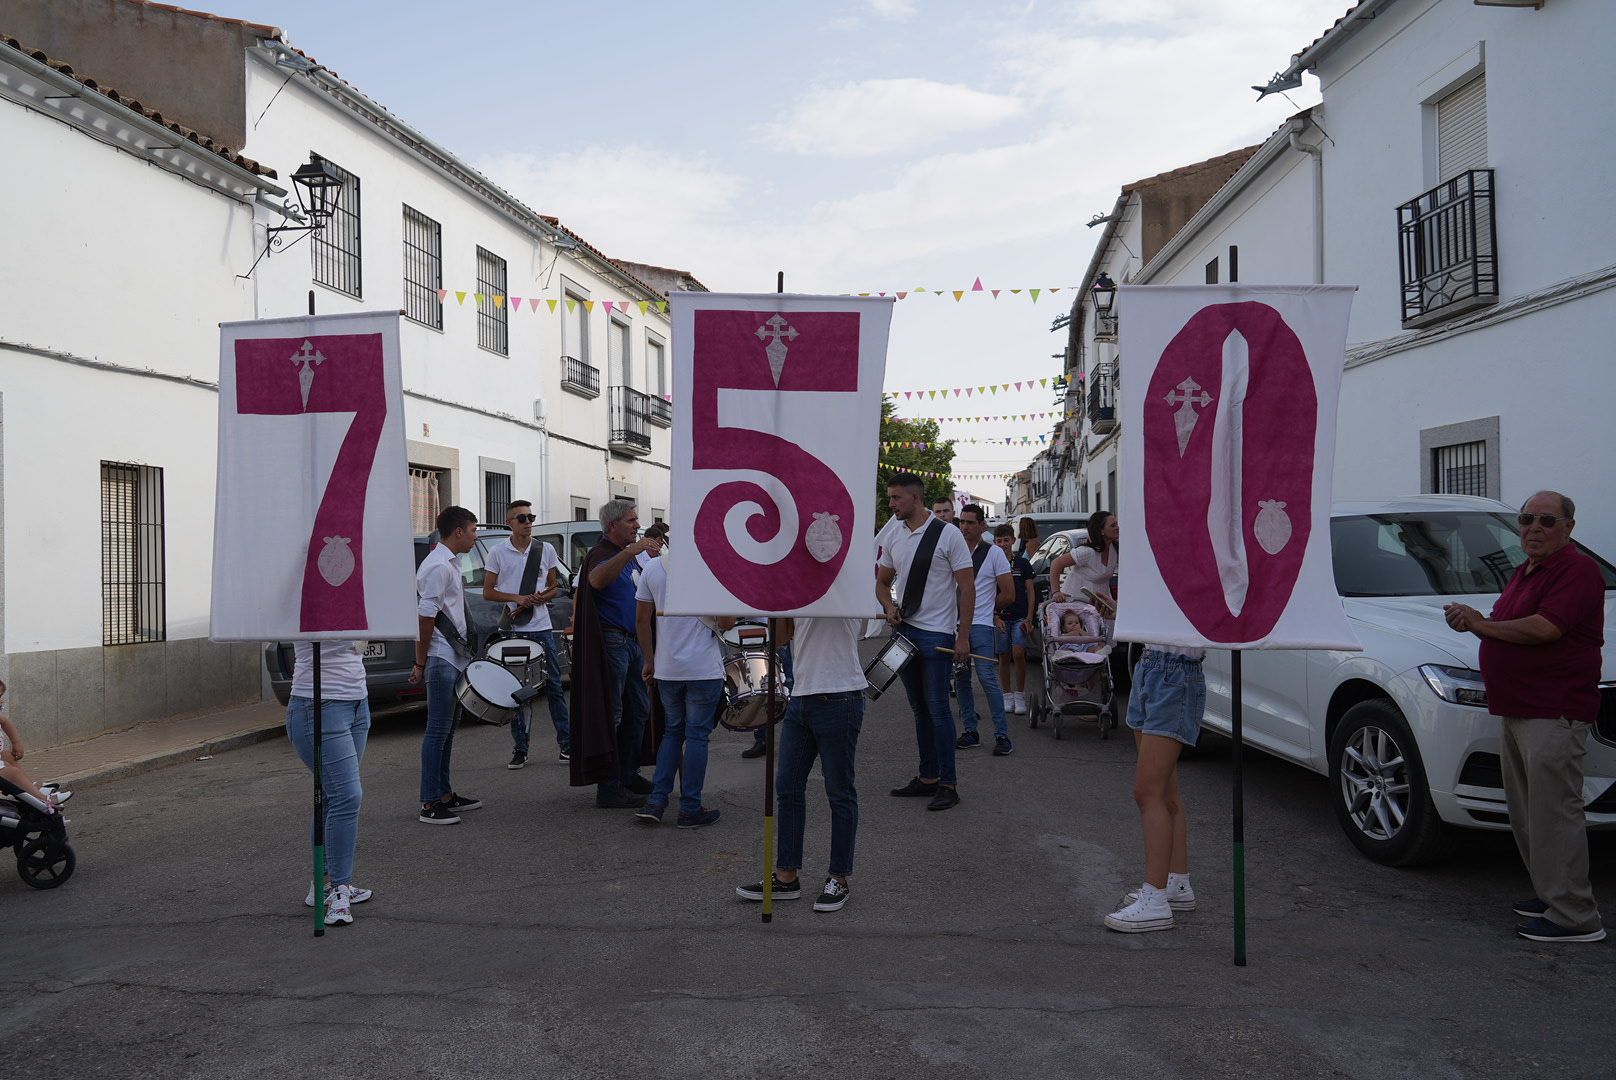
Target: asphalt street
x,y
542,937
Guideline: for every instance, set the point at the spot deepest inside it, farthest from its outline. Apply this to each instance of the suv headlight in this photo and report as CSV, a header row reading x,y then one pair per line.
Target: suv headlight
x,y
1462,686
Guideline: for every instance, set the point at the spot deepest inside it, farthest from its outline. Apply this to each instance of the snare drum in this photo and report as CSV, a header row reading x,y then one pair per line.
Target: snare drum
x,y
522,656
746,635
883,671
746,692
485,691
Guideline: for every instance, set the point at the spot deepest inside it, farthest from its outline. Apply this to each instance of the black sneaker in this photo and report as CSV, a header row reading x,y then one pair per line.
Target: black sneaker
x,y
701,817
1531,909
945,799
650,814
916,786
518,760
639,785
460,804
782,891
565,756
1002,747
968,740
756,750
618,800
833,896
1542,929
439,814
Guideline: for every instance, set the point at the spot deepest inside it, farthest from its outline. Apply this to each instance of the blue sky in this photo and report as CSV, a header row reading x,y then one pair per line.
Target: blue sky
x,y
856,145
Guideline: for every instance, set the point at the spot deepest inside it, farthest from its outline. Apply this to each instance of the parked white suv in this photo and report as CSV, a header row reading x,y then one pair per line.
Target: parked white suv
x,y
1402,728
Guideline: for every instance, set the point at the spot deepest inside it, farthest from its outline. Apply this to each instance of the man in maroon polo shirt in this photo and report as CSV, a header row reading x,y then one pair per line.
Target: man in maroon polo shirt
x,y
1540,663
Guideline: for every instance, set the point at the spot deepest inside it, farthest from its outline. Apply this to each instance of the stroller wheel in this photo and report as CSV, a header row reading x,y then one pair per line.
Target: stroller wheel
x,y
1055,722
1034,711
45,862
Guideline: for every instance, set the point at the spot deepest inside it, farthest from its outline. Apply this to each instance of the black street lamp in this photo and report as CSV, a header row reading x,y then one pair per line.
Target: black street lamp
x,y
318,187
1104,293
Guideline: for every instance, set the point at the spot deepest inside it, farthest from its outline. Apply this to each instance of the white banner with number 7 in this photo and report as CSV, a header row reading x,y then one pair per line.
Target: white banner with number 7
x,y
311,533
776,426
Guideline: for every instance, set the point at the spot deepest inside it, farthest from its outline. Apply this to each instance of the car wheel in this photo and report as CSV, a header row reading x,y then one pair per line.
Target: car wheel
x,y
1378,787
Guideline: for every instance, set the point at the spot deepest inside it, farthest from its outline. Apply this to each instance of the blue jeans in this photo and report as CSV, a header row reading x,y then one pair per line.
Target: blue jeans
x,y
689,710
437,745
523,722
761,735
824,726
345,725
631,702
982,644
925,680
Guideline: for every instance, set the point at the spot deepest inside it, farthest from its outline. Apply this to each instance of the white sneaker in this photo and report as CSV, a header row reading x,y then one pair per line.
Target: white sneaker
x,y
1180,897
1149,912
337,910
355,895
1021,703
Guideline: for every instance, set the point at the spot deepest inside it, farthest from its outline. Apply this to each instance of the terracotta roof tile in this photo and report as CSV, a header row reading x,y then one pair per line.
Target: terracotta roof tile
x,y
261,28
112,94
1223,162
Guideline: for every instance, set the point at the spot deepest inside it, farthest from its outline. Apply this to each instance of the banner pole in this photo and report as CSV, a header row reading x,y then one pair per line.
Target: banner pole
x,y
319,781
1238,766
768,742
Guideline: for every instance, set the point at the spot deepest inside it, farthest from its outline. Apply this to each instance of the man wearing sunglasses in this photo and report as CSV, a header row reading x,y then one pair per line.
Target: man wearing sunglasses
x,y
1540,660
530,617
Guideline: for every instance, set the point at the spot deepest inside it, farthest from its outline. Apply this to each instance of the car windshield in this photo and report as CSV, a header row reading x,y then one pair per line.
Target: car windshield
x,y
1430,554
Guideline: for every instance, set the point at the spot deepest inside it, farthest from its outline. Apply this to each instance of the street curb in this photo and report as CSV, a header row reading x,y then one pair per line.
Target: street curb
x,y
119,770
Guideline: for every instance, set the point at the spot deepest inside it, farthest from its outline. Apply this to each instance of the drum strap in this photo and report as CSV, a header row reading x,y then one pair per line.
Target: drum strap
x,y
530,579
914,586
980,556
452,635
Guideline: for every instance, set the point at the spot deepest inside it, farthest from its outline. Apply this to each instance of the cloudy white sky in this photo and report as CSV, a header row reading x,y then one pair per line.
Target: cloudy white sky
x,y
855,144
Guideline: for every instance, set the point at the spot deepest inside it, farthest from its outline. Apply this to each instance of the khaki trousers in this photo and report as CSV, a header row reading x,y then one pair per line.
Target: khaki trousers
x,y
1542,762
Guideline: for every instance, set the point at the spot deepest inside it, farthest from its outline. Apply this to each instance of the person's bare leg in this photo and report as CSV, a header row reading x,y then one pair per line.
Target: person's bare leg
x,y
1019,654
15,775
1004,673
1180,861
1158,759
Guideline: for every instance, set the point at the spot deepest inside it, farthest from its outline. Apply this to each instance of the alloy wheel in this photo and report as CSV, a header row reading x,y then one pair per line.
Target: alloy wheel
x,y
1374,783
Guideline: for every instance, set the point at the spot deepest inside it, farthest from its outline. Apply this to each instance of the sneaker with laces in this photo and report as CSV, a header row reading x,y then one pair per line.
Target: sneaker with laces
x,y
1544,929
701,817
946,798
518,760
1149,912
1531,909
1021,703
1002,746
782,890
1180,897
968,740
338,910
355,895
650,813
916,786
832,897
439,814
564,755
460,804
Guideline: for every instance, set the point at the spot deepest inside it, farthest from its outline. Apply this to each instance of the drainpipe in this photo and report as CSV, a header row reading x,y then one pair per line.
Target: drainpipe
x,y
1318,204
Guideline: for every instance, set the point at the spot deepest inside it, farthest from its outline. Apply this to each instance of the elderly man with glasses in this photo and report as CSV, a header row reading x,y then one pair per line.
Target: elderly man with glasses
x,y
1540,660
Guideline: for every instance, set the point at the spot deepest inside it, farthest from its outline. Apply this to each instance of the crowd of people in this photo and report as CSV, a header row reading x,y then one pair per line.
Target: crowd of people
x,y
647,689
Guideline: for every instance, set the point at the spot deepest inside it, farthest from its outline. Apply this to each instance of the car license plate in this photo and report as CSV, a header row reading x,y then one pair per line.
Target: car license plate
x,y
374,650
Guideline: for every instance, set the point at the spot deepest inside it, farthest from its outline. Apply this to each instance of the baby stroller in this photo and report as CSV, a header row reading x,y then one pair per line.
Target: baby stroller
x,y
44,857
1076,668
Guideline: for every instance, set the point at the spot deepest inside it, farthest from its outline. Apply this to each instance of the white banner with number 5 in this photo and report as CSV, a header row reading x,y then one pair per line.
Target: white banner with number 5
x,y
311,533
776,426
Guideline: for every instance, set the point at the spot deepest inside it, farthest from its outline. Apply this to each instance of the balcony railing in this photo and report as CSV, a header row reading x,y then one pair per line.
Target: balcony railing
x,y
629,432
660,411
1102,404
1446,250
581,378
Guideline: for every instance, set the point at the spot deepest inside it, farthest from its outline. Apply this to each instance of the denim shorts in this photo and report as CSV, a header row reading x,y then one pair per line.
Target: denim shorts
x,y
1168,697
1012,636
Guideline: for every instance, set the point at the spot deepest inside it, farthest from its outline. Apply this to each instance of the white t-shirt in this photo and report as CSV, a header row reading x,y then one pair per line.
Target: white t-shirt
x,y
342,672
686,650
440,587
1089,570
939,604
507,564
987,582
825,656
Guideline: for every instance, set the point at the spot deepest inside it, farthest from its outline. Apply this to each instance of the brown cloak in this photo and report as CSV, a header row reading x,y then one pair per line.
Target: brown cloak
x,y
593,751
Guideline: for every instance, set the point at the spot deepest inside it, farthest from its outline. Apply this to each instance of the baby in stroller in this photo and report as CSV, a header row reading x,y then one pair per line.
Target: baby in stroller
x,y
1077,675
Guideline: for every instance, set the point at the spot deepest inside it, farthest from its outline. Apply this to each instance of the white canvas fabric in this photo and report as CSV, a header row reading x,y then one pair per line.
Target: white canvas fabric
x,y
776,428
1228,414
508,563
686,648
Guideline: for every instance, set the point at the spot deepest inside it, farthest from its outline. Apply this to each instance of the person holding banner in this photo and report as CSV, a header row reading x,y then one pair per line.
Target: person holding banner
x,y
344,727
610,704
929,561
441,654
518,560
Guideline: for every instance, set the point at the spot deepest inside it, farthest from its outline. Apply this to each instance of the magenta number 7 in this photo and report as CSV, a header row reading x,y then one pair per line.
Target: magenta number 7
x,y
341,373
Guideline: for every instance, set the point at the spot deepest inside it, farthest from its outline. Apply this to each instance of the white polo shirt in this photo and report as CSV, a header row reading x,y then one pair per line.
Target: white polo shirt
x,y
939,604
507,563
686,649
987,582
440,588
825,657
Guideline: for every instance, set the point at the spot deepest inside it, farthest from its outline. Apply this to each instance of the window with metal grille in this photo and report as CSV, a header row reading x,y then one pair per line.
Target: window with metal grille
x,y
496,496
335,248
425,500
493,330
133,595
656,364
423,269
618,356
1461,469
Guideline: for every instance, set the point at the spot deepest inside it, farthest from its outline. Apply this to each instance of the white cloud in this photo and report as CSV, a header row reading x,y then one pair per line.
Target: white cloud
x,y
884,117
894,9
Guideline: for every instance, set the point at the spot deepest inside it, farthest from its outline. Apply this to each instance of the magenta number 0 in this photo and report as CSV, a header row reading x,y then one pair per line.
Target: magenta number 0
x,y
339,373
780,354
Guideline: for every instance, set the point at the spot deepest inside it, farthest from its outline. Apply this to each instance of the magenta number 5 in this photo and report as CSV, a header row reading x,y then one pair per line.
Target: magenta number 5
x,y
780,354
335,374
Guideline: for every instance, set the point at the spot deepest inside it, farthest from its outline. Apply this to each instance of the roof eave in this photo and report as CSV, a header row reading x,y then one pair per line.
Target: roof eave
x,y
1335,37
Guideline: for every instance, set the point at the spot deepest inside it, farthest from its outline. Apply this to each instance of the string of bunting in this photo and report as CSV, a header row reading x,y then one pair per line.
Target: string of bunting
x,y
998,418
515,302
960,294
888,466
974,288
1009,440
980,391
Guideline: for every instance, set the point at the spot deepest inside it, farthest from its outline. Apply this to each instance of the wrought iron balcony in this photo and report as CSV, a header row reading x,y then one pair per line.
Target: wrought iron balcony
x,y
660,411
1446,250
629,431
581,378
1102,404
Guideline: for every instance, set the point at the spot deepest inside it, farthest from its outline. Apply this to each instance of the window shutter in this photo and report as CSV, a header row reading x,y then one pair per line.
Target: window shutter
x,y
616,361
1461,129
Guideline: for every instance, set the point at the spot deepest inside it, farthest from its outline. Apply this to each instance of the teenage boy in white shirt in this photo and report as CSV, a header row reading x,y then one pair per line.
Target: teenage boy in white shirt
x,y
507,564
439,663
994,588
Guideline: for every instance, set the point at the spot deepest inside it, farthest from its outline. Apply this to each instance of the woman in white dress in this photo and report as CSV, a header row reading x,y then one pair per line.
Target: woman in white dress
x,y
1090,565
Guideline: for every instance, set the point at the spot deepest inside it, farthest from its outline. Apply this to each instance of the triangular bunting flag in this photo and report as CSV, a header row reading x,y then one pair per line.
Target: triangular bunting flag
x,y
959,294
662,306
572,305
478,297
933,393
1034,294
902,295
918,289
996,293
443,294
1006,387
967,394
516,303
1018,386
534,302
644,304
552,304
977,285
589,306
460,297
1055,290
1043,382
1014,291
499,300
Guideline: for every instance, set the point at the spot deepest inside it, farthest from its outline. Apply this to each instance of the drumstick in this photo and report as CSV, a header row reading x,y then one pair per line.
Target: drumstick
x,y
974,656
